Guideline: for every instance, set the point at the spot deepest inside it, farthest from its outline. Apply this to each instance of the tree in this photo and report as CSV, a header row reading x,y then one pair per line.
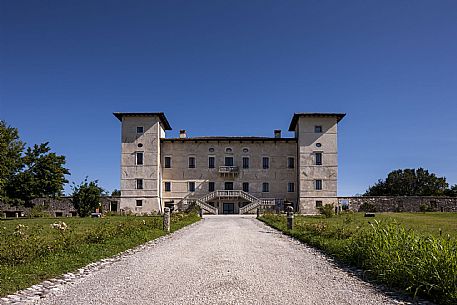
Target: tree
x,y
409,182
10,155
452,191
86,197
116,193
43,174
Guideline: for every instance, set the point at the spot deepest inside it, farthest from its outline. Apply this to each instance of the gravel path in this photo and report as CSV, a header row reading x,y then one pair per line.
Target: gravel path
x,y
221,260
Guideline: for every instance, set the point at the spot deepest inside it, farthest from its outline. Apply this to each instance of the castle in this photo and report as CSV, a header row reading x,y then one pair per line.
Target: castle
x,y
228,175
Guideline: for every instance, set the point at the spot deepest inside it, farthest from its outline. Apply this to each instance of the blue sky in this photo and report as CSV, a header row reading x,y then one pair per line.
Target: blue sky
x,y
235,68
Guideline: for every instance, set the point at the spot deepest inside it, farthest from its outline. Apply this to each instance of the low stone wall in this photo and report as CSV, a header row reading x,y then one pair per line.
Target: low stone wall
x,y
400,204
56,207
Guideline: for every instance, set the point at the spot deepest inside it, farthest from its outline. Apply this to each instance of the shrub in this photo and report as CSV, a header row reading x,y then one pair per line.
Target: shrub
x,y
327,210
367,207
86,197
38,211
425,208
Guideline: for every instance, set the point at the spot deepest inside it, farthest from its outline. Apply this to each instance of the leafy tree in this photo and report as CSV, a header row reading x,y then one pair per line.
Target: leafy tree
x,y
452,191
86,197
43,174
10,155
116,193
409,182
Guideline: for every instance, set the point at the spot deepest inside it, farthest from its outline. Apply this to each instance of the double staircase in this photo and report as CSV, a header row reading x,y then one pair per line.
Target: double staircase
x,y
227,194
204,206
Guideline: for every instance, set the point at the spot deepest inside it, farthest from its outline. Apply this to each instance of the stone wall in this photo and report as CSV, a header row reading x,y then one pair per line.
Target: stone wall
x,y
56,207
400,204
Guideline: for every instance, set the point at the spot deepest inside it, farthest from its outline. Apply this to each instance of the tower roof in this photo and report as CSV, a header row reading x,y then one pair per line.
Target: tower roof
x,y
293,123
161,116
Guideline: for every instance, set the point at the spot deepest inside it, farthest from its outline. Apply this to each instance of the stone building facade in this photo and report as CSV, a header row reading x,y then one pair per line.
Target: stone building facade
x,y
225,175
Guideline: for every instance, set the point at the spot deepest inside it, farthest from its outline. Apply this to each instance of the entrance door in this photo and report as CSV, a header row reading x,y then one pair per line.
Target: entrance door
x,y
229,208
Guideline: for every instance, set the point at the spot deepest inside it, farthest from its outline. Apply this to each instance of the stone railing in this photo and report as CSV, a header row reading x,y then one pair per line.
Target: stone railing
x,y
228,194
258,203
228,169
203,205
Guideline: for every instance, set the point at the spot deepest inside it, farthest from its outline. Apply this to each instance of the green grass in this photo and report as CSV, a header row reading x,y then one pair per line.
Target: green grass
x,y
413,251
32,251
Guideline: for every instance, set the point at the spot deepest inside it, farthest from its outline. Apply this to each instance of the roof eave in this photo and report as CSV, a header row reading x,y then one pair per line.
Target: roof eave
x,y
161,115
293,123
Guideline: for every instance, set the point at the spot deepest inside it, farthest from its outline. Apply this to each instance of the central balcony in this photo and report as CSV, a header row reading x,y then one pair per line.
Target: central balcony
x,y
228,170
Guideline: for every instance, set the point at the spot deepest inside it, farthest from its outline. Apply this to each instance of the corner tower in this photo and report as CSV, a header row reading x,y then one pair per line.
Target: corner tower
x,y
140,160
317,159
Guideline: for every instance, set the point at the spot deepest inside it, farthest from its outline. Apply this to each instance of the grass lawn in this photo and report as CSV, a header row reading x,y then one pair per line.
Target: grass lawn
x,y
413,251
425,223
32,251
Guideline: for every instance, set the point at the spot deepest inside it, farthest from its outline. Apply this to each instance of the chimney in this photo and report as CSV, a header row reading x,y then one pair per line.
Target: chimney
x,y
182,134
277,133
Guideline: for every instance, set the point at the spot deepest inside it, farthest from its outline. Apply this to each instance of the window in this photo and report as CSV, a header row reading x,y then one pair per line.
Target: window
x,y
318,184
211,187
211,162
228,161
245,162
318,158
139,158
167,162
265,162
318,129
139,129
168,186
191,186
228,186
246,187
290,162
318,203
139,184
191,162
265,187
139,203
291,187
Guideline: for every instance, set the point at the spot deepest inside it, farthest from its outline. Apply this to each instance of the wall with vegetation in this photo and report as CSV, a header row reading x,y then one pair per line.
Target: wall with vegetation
x,y
401,203
52,207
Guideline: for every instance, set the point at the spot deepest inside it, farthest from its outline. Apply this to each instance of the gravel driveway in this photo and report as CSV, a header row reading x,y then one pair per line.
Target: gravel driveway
x,y
221,260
